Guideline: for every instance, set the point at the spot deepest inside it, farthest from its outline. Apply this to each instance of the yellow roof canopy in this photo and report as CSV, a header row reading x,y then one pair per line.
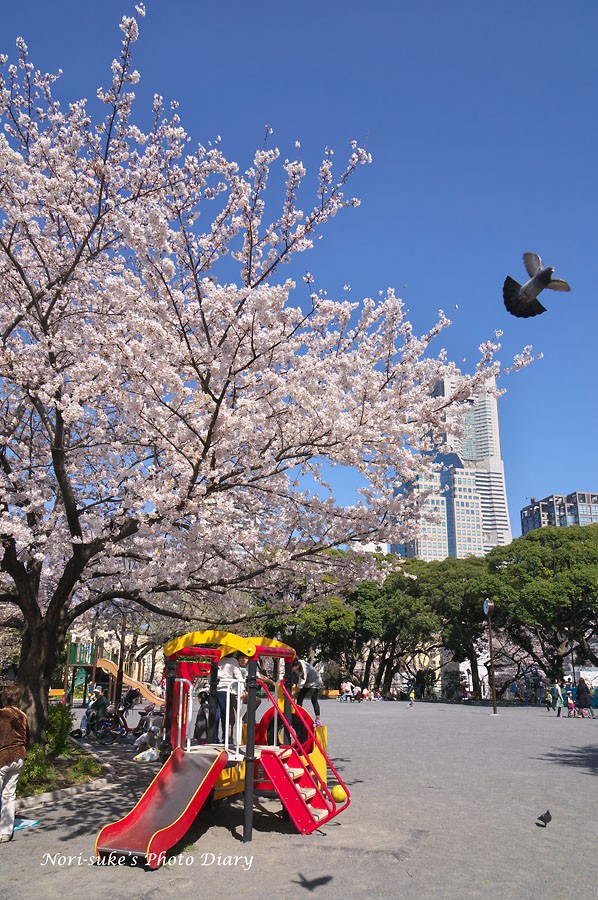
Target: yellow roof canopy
x,y
225,639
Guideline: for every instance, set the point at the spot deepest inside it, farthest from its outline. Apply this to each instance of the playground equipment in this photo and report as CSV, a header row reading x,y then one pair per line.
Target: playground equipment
x,y
83,663
282,755
107,665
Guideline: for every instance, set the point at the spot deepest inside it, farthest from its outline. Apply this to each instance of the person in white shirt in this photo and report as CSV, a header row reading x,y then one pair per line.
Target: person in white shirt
x,y
229,676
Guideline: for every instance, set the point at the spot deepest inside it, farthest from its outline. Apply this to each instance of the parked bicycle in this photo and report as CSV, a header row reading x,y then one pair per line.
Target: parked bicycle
x,y
115,726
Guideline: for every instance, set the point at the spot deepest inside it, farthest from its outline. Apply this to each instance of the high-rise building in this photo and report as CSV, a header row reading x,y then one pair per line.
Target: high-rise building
x,y
464,508
451,522
432,542
468,496
560,510
478,448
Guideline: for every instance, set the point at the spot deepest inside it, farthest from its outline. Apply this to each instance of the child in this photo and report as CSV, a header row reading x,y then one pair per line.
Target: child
x,y
411,697
148,739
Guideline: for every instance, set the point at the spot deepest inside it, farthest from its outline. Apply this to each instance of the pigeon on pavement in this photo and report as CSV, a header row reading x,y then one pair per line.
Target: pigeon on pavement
x,y
545,818
521,300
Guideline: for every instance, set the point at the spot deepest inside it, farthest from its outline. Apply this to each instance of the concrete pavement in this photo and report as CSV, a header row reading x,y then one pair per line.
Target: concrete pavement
x,y
444,802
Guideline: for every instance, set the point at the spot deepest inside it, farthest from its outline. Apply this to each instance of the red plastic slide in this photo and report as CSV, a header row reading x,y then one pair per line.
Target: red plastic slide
x,y
167,809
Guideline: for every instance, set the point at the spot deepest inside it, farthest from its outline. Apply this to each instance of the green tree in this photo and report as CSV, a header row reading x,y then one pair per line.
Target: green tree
x,y
547,591
410,625
455,589
370,610
321,630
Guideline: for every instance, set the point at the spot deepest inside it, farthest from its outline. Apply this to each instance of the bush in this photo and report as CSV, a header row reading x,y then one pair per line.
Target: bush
x,y
87,768
42,773
37,773
58,728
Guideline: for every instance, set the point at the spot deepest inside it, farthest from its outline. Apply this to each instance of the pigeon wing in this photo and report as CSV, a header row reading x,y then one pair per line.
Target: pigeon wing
x,y
510,293
557,284
533,263
518,305
529,309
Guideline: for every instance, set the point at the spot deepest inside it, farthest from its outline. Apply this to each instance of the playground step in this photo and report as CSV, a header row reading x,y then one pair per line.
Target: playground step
x,y
294,773
307,793
318,813
283,754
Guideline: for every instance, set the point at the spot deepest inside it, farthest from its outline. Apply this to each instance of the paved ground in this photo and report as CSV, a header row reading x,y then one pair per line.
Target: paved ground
x,y
444,802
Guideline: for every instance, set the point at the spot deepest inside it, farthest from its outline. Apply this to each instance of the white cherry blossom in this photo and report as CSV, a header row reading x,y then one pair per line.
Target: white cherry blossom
x,y
163,428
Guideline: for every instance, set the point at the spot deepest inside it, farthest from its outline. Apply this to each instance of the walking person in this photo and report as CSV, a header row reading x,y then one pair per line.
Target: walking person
x,y
584,698
557,697
14,737
309,685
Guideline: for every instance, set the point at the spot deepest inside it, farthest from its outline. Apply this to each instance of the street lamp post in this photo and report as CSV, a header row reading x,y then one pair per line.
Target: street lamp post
x,y
488,610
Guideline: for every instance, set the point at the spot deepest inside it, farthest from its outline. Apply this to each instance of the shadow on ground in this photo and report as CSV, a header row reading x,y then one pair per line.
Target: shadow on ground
x,y
580,757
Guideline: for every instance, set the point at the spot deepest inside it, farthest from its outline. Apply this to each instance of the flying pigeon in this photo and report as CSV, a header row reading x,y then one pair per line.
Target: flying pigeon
x,y
545,818
521,300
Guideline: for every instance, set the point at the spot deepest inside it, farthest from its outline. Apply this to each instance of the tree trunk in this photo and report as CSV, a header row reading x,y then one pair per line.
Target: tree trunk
x,y
153,666
40,652
349,664
475,674
382,662
368,667
389,669
131,668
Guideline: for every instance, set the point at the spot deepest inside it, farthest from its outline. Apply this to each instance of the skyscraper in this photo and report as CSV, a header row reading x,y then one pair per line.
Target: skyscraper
x,y
478,449
468,498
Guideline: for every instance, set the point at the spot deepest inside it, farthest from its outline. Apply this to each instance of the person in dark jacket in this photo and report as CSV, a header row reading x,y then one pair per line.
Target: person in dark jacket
x,y
97,709
202,720
584,698
14,737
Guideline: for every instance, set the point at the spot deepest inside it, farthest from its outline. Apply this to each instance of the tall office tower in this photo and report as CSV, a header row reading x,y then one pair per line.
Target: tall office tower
x,y
561,511
477,448
466,512
451,523
432,542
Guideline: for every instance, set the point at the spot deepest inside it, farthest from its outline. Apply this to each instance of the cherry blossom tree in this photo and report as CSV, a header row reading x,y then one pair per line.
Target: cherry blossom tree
x,y
165,433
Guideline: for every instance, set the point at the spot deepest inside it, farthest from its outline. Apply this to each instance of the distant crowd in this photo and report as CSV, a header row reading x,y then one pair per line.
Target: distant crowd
x,y
353,693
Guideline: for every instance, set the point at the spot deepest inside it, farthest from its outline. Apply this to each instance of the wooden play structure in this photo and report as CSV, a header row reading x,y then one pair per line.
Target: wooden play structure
x,y
85,662
281,754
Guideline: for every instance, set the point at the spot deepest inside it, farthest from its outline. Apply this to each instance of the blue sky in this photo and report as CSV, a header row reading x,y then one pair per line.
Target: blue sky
x,y
481,118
